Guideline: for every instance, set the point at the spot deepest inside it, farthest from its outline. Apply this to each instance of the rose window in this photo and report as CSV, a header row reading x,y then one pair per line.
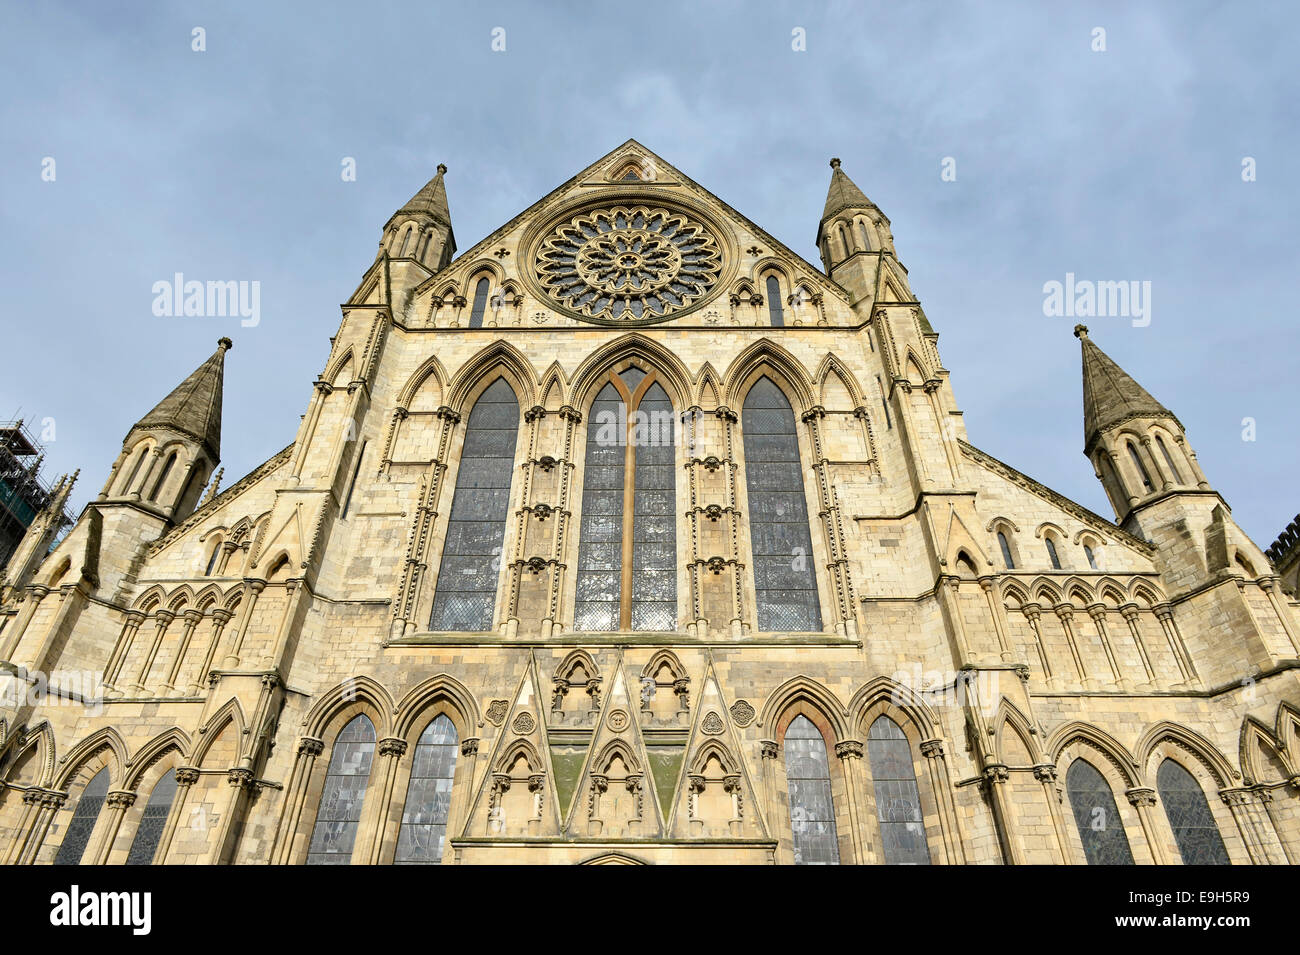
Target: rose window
x,y
629,264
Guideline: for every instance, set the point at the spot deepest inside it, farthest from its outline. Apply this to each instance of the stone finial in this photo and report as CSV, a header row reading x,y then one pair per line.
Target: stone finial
x,y
225,344
442,169
835,162
1080,331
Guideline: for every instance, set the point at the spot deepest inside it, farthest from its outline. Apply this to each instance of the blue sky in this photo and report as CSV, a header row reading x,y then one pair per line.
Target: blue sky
x,y
225,164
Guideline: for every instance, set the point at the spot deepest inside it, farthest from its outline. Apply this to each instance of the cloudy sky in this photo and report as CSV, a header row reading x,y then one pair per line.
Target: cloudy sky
x,y
1122,164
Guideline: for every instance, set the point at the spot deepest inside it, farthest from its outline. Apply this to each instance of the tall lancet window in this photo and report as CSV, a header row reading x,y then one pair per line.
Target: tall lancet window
x,y
339,815
812,811
83,820
1100,828
774,310
476,529
428,799
154,820
480,303
627,549
898,801
785,582
1195,830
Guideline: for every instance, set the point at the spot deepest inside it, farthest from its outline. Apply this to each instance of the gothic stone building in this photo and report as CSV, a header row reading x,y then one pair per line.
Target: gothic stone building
x,y
630,536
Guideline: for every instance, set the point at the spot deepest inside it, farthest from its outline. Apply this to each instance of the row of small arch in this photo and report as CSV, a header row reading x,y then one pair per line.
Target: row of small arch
x,y
553,389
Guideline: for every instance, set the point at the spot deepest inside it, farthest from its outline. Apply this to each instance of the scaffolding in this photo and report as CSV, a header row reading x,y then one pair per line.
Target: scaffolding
x,y
24,491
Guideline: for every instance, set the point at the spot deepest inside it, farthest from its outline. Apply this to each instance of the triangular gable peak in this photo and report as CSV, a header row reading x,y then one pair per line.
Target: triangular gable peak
x,y
645,177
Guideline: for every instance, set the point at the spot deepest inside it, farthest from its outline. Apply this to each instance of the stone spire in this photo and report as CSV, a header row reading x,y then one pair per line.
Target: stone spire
x,y
421,231
843,194
1110,395
194,406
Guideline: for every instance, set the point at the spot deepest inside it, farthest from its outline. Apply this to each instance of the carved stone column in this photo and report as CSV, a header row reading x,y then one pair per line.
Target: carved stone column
x,y
995,782
391,751
849,752
1045,773
1262,846
1143,800
192,618
1033,613
253,587
949,592
220,617
1130,613
998,613
832,527
1270,587
121,649
1165,614
163,619
186,777
295,795
1097,612
33,597
954,841
222,847
768,751
39,809
116,804
1065,613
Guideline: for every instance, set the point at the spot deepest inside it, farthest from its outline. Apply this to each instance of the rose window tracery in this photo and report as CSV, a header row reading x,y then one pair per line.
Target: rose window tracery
x,y
629,264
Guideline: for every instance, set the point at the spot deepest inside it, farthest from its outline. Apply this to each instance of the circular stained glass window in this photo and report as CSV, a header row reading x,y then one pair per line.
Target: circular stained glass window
x,y
629,264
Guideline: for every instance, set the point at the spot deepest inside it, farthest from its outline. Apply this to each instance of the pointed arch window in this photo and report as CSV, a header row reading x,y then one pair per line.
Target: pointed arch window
x,y
808,779
1006,551
627,547
213,558
785,584
862,231
1091,555
335,832
83,820
1101,830
162,478
898,800
1169,460
465,597
428,798
1052,555
480,303
775,311
1141,468
135,470
1197,835
149,833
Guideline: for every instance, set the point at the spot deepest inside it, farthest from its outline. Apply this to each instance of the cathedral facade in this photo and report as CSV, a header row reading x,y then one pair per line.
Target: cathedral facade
x,y
630,536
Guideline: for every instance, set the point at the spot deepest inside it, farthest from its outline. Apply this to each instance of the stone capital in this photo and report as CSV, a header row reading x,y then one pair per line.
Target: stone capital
x,y
469,746
1141,796
187,776
310,746
849,749
768,748
932,748
120,799
392,746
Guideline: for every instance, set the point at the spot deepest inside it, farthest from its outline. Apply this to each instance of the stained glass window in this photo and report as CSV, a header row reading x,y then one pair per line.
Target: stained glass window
x,y
1100,827
428,798
471,558
774,310
898,801
1052,555
480,304
785,583
630,457
812,812
152,822
83,820
1190,817
1006,551
339,815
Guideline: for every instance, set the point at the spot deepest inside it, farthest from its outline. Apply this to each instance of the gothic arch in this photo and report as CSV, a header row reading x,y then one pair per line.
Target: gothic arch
x,y
41,739
476,374
230,714
621,748
1098,740
1043,587
1192,743
709,749
511,753
883,695
1010,718
673,375
1142,591
1288,728
431,367
914,365
445,693
802,689
767,357
553,391
577,657
1258,740
470,274
333,369
708,391
831,365
378,706
148,601
104,743
660,658
1046,526
613,858
173,740
1013,591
